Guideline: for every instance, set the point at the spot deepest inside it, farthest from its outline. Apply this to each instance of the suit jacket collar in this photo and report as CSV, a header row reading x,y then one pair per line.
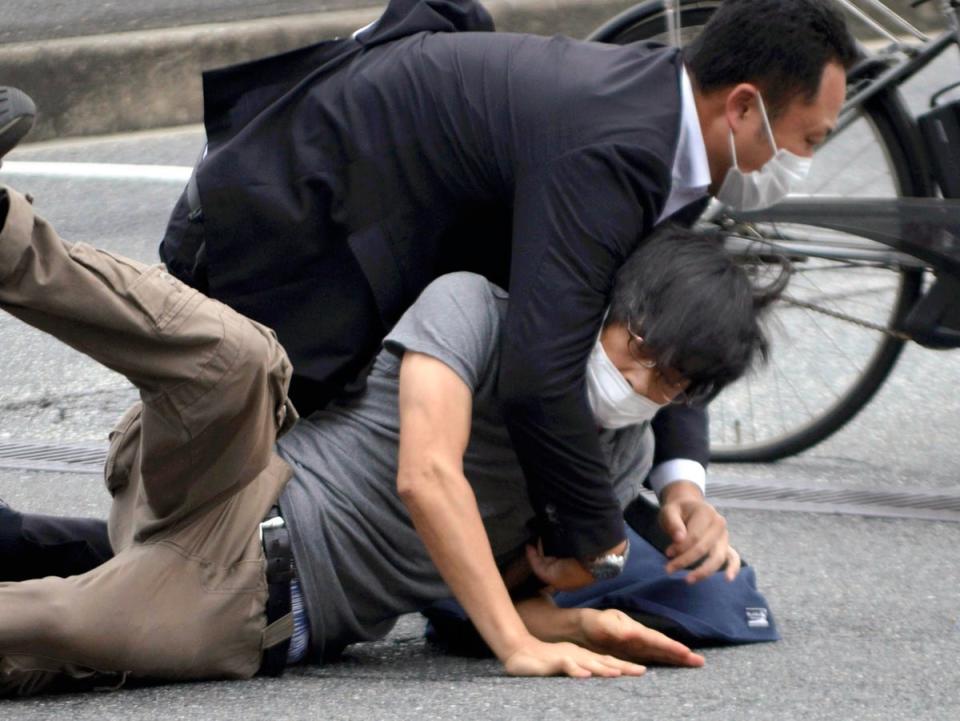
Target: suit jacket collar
x,y
691,168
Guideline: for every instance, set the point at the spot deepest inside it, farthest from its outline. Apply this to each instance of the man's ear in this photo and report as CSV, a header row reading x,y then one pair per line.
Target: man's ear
x,y
741,102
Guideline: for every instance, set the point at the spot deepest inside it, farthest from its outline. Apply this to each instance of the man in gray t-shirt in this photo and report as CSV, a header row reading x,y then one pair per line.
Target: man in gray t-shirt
x,y
410,492
359,558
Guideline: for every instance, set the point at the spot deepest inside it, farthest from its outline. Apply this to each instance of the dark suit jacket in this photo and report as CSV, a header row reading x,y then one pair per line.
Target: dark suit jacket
x,y
342,178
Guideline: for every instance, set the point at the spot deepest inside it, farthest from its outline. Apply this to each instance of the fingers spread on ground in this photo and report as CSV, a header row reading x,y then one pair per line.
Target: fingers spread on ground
x,y
575,670
628,667
599,668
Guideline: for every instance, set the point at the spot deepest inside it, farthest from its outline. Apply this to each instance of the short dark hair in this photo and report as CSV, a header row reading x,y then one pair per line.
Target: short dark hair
x,y
781,45
695,307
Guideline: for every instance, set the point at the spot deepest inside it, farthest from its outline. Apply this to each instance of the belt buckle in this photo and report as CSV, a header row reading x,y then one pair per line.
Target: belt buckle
x,y
275,522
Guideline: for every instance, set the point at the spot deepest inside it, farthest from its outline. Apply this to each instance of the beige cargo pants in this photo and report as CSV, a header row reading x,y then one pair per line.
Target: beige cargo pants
x,y
191,469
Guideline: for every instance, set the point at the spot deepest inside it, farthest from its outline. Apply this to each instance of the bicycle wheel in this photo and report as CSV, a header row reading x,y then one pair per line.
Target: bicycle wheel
x,y
830,350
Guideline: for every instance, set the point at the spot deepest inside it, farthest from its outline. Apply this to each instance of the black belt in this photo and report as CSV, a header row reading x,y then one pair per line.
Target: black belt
x,y
275,538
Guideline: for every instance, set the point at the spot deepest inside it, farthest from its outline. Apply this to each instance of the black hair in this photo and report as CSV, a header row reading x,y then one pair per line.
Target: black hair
x,y
695,307
780,45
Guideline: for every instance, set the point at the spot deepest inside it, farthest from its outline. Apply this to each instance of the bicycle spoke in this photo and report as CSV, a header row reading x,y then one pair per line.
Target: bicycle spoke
x,y
829,337
800,396
752,412
836,347
856,297
852,154
781,415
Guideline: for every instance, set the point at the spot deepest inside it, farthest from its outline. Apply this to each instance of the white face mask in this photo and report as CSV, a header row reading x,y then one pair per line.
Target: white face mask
x,y
612,399
767,186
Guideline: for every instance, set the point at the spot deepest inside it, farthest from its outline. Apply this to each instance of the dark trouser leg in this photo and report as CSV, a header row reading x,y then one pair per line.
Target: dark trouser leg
x,y
34,545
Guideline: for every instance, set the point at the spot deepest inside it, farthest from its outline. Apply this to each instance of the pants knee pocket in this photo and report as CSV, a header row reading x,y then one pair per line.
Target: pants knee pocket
x,y
124,441
161,296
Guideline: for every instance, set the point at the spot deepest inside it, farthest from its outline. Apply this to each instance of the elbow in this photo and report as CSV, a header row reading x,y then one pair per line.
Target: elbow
x,y
409,487
425,477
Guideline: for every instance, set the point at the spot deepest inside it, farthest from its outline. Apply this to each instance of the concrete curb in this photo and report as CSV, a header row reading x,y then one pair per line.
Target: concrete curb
x,y
150,79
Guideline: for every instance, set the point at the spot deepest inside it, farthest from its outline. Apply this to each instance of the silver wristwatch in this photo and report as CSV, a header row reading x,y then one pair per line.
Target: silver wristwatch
x,y
608,566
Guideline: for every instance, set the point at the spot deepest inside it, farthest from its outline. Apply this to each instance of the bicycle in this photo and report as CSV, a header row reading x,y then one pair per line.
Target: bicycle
x,y
867,274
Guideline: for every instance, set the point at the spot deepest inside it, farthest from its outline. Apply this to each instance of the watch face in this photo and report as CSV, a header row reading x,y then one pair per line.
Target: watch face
x,y
609,566
606,568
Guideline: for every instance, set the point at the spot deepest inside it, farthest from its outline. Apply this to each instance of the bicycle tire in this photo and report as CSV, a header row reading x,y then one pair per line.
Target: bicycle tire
x,y
891,121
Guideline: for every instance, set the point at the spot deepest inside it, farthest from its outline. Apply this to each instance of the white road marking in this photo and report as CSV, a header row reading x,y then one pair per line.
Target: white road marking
x,y
97,171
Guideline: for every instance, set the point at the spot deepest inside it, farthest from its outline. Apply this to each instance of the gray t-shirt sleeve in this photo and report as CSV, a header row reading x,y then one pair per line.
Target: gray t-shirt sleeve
x,y
455,320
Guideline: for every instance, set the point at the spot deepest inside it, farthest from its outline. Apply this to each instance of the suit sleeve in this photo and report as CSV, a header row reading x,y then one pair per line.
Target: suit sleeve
x,y
681,432
575,222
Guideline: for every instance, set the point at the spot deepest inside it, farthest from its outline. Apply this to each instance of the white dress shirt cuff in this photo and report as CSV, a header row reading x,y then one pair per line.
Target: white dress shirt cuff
x,y
678,469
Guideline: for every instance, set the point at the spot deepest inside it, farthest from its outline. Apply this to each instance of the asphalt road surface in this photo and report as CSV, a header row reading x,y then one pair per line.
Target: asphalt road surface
x,y
868,607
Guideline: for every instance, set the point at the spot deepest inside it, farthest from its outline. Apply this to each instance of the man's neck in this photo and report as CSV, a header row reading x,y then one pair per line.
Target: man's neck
x,y
711,109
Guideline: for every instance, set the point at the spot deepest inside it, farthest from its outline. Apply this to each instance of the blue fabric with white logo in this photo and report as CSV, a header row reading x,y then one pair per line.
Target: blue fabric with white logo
x,y
711,611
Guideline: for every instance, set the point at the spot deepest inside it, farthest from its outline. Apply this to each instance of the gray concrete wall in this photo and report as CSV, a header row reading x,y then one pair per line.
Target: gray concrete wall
x,y
147,79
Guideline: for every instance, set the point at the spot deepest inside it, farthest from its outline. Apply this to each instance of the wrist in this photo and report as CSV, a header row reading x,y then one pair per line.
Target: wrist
x,y
681,490
617,550
551,624
581,633
610,564
509,646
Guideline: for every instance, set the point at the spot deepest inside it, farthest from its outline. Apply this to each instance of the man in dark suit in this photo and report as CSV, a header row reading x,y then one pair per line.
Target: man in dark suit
x,y
340,179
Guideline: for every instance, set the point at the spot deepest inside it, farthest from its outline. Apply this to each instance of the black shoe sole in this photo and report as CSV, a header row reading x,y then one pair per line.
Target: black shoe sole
x,y
17,112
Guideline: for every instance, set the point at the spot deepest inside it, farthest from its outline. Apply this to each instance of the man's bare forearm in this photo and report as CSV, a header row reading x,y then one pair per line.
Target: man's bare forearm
x,y
550,623
445,513
435,413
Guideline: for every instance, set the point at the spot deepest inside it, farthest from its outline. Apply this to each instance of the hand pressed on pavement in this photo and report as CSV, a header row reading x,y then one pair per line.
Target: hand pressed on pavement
x,y
606,632
538,658
698,532
614,632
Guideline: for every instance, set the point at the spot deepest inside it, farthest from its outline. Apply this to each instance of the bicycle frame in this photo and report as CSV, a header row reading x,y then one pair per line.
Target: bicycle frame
x,y
897,75
924,228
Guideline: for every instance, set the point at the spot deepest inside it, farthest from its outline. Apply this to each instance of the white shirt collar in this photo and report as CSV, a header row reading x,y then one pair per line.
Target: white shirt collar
x,y
691,169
